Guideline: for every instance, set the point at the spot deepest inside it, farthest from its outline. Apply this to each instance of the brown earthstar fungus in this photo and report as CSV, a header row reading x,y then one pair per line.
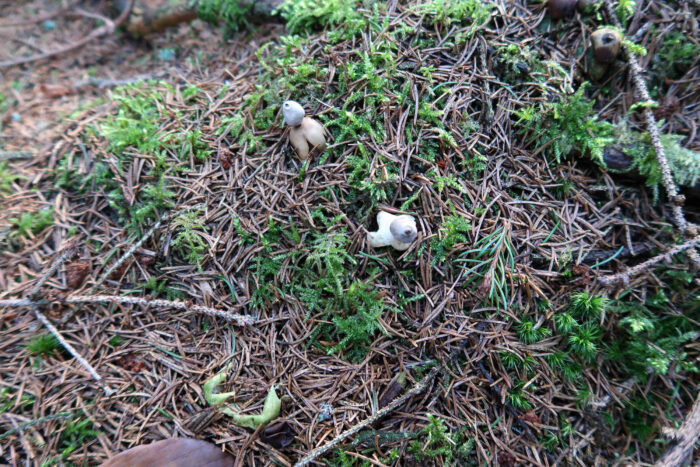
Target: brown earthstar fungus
x,y
305,134
560,9
606,43
397,231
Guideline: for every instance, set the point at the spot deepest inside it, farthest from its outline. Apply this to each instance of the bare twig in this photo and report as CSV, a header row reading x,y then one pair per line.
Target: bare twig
x,y
241,320
683,439
107,28
69,348
124,257
625,276
418,388
67,253
677,200
23,426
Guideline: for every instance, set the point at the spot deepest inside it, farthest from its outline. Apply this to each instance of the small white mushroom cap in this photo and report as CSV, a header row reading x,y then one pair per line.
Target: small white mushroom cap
x,y
293,113
397,231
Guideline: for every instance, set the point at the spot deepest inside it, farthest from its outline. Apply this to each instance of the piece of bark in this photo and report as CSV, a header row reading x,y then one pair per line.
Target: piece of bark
x,y
683,440
173,452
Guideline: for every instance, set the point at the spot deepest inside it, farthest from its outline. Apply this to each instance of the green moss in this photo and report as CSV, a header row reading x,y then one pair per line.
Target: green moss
x,y
447,12
189,243
7,178
30,223
304,16
683,163
674,57
232,13
560,128
437,445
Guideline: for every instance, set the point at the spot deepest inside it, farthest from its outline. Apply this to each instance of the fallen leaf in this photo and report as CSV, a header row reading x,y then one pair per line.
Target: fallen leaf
x,y
145,260
118,273
531,417
173,452
76,273
55,90
225,158
279,435
130,363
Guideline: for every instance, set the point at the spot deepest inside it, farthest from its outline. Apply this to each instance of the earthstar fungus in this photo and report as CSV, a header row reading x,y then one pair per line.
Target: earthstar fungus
x,y
606,43
305,134
397,231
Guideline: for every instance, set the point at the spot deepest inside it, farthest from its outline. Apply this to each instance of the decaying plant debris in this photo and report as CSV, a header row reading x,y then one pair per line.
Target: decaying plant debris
x,y
175,190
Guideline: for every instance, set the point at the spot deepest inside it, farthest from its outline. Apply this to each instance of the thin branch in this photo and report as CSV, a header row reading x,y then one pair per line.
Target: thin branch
x,y
67,253
106,29
126,256
418,388
625,276
23,426
240,320
69,348
677,200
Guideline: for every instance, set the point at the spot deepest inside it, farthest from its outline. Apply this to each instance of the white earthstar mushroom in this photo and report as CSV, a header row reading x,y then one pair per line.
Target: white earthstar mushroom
x,y
397,231
293,113
306,134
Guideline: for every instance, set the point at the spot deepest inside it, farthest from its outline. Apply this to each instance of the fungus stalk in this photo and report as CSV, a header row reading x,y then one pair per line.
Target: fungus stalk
x,y
305,134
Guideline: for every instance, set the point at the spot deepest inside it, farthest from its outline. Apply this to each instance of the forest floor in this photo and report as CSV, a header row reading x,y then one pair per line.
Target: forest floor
x,y
471,116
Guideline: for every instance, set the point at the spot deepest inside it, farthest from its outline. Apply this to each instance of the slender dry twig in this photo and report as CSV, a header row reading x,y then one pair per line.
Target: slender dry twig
x,y
418,388
107,28
67,253
241,320
124,257
625,276
689,231
74,353
683,439
52,329
22,426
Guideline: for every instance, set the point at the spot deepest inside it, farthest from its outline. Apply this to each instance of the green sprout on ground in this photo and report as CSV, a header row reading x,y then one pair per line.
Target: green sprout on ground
x,y
448,12
303,16
8,400
489,265
44,345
